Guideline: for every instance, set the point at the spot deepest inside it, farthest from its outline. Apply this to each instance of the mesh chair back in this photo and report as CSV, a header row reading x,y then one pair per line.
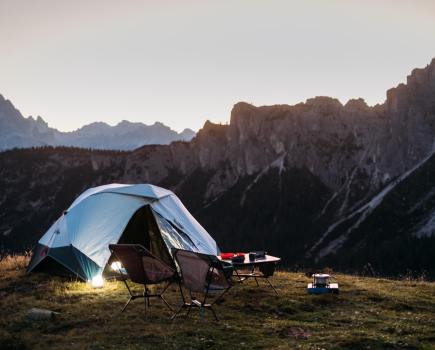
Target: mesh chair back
x,y
218,279
200,271
156,270
142,267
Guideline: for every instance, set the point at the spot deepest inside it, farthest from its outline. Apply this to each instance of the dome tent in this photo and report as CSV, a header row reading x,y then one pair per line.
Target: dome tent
x,y
78,242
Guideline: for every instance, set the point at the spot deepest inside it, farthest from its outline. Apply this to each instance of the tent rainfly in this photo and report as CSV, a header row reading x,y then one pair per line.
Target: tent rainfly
x,y
78,242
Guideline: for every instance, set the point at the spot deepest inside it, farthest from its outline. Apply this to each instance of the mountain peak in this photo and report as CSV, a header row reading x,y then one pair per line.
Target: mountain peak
x,y
94,126
188,131
124,122
160,125
323,101
419,89
357,104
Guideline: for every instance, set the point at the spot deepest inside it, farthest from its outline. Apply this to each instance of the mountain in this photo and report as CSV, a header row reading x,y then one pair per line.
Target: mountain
x,y
318,183
123,136
19,132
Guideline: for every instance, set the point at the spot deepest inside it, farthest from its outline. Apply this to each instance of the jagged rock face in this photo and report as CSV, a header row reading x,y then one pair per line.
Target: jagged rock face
x,y
411,108
301,181
342,145
331,140
396,230
321,136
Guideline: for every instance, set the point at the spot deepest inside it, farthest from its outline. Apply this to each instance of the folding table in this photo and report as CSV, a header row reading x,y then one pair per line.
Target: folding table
x,y
263,267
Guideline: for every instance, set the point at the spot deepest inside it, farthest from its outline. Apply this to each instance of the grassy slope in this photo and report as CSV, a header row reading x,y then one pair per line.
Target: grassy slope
x,y
368,314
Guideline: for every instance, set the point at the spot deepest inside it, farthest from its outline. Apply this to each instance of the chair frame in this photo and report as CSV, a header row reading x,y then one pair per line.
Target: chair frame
x,y
146,295
214,263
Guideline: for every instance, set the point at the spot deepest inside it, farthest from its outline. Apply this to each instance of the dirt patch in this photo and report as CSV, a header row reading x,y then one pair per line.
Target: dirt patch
x,y
295,332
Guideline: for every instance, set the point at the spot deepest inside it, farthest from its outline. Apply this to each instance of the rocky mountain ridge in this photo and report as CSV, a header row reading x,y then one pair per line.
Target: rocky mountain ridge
x,y
19,132
311,182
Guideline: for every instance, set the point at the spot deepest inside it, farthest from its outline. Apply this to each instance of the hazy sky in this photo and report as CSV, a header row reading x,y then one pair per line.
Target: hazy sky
x,y
182,62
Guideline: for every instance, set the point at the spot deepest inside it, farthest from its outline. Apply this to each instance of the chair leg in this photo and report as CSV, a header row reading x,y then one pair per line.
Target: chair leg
x,y
166,287
192,298
147,296
126,304
146,299
253,274
181,291
238,276
189,306
270,284
220,296
195,303
160,295
214,313
166,303
188,310
183,305
178,311
129,292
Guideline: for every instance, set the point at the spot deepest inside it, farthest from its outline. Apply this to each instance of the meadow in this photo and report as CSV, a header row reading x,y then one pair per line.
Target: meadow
x,y
369,313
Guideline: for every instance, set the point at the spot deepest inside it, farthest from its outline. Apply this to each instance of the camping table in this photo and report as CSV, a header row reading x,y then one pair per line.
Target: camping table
x,y
251,266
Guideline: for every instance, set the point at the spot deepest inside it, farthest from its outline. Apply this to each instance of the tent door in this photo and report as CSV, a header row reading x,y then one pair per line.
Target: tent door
x,y
143,229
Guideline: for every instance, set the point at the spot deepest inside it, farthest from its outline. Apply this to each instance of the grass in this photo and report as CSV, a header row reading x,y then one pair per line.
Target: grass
x,y
369,313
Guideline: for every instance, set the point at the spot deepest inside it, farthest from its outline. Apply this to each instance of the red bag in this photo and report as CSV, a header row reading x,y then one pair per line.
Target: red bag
x,y
226,256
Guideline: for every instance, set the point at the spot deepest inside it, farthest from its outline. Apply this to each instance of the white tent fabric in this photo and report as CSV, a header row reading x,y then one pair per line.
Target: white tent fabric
x,y
94,190
99,216
142,190
174,211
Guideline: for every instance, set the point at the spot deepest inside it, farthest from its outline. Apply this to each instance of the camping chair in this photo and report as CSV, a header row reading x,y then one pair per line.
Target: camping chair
x,y
144,268
202,273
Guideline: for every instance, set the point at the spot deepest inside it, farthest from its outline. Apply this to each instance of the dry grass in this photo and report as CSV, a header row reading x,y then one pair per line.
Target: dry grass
x,y
368,314
14,262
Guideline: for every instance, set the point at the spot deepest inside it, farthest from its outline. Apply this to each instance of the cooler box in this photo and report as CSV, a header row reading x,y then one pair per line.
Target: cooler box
x,y
332,288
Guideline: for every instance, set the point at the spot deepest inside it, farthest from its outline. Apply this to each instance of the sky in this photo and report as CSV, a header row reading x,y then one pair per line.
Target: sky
x,y
182,62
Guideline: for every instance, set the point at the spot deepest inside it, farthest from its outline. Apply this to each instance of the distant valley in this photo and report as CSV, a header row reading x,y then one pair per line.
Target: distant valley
x,y
19,132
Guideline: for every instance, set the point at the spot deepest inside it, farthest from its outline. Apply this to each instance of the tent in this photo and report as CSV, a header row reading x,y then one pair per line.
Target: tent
x,y
78,241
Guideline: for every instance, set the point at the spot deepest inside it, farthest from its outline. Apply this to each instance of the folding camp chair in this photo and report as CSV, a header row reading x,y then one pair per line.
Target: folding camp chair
x,y
202,273
142,267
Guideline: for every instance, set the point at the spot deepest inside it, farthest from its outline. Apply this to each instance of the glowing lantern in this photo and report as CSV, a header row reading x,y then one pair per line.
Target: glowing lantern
x,y
116,266
97,281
